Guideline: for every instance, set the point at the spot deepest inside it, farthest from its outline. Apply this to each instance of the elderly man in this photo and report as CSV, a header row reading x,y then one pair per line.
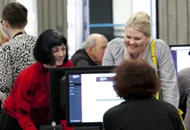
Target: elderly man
x,y
92,52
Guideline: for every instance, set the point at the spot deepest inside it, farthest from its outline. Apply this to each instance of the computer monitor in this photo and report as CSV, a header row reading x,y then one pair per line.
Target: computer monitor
x,y
57,96
90,94
57,112
181,56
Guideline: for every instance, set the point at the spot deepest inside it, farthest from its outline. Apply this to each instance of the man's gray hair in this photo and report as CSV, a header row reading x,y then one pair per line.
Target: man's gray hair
x,y
91,41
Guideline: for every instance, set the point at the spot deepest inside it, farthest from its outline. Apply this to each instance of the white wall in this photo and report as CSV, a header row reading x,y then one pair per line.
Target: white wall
x,y
32,27
75,25
123,9
148,6
121,12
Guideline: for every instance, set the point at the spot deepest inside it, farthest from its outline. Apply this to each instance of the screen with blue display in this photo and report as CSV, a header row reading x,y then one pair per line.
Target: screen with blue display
x,y
181,56
90,96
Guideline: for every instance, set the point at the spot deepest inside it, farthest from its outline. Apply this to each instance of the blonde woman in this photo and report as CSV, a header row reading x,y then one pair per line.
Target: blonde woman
x,y
137,44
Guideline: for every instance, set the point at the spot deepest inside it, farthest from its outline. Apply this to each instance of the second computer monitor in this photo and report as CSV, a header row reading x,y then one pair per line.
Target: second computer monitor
x,y
181,56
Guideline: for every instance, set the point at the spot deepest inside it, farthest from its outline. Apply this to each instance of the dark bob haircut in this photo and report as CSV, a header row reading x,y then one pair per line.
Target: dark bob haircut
x,y
45,42
135,79
16,15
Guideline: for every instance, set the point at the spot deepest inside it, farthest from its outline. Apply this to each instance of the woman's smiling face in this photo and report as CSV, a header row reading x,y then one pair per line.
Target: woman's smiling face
x,y
59,53
135,41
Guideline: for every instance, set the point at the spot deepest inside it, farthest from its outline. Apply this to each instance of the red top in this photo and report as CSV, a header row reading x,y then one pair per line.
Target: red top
x,y
29,99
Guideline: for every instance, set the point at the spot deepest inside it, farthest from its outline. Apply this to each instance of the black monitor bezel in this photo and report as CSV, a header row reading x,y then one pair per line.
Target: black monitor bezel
x,y
100,70
182,45
55,94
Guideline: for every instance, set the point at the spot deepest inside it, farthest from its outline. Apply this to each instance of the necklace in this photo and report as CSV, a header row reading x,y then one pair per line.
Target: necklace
x,y
19,33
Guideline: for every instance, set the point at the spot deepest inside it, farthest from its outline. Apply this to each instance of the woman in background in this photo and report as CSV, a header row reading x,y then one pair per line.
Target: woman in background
x,y
137,83
27,106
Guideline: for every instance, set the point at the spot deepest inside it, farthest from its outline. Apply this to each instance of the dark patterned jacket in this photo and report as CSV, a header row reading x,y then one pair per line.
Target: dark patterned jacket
x,y
15,55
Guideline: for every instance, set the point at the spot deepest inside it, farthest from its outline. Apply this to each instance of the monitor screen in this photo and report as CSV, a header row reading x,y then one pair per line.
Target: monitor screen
x,y
90,95
181,56
57,93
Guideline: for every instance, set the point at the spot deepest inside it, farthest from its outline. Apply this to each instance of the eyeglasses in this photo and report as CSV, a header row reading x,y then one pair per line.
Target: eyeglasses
x,y
2,22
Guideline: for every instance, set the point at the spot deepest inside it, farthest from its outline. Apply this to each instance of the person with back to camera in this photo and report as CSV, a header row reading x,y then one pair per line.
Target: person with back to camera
x,y
184,89
137,83
16,54
92,52
137,44
27,106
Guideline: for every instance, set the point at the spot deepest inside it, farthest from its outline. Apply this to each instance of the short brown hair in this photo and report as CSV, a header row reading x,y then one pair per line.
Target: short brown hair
x,y
16,15
135,78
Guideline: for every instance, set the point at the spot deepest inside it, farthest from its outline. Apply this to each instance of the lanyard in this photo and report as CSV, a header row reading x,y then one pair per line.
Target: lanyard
x,y
19,33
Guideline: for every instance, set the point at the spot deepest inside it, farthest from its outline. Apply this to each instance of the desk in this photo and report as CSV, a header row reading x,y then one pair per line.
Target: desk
x,y
49,127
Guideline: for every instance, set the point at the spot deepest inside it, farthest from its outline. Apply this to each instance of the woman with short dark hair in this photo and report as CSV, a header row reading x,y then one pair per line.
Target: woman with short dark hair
x,y
137,82
27,106
44,48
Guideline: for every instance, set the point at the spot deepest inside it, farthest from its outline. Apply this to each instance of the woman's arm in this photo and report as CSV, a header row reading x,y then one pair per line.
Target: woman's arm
x,y
24,98
167,73
114,53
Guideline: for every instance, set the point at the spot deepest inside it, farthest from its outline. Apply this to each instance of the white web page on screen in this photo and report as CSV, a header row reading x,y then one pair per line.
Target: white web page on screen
x,y
182,57
97,96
